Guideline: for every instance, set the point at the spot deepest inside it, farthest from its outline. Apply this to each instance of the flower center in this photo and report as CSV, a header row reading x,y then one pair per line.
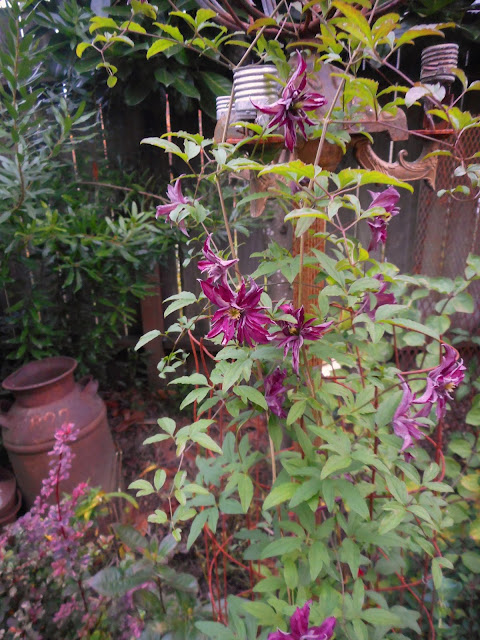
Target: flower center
x,y
450,386
293,331
234,313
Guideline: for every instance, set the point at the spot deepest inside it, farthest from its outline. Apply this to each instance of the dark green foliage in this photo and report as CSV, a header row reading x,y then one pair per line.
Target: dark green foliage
x,y
75,259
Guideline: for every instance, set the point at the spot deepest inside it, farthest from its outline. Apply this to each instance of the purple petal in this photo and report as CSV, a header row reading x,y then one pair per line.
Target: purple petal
x,y
270,109
280,635
386,199
324,631
165,210
299,620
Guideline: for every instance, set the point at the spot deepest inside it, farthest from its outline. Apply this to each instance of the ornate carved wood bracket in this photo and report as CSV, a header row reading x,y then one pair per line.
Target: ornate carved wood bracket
x,y
421,169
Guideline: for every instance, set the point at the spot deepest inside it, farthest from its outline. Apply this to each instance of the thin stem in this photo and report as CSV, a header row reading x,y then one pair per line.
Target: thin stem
x,y
227,228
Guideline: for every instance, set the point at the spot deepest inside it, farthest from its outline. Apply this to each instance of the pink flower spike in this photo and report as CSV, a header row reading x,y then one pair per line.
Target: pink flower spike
x,y
216,268
290,110
299,629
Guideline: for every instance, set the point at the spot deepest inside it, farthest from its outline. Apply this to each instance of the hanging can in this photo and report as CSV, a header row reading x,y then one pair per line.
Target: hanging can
x,y
46,397
254,82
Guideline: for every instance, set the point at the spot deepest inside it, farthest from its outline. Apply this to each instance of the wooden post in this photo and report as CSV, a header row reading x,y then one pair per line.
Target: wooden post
x,y
152,318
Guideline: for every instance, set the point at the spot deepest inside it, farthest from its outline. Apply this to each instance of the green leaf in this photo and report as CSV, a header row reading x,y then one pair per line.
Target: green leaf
x,y
437,564
387,408
379,617
252,394
144,487
196,526
164,76
268,585
111,81
461,447
214,630
473,416
261,22
281,546
186,88
159,479
358,595
245,491
333,464
99,22
351,177
398,489
330,267
204,440
133,26
405,323
350,554
354,500
290,574
279,494
196,395
130,536
391,520
148,337
305,491
144,8
317,558
471,560
172,31
217,84
159,46
81,47
167,424
113,582
296,411
185,298
160,437
202,16
194,378
158,517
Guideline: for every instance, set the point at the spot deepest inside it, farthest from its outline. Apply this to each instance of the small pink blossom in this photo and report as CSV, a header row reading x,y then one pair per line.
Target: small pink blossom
x,y
216,267
290,110
378,225
176,197
405,424
442,381
381,298
293,334
275,392
239,315
299,629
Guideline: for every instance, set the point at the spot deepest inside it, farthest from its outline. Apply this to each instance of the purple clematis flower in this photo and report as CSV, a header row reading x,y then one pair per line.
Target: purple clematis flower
x,y
293,334
378,225
405,424
381,298
291,108
299,629
239,313
442,380
216,268
275,392
176,197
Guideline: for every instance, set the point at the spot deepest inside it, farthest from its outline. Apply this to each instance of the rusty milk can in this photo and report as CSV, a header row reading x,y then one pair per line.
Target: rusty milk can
x,y
47,396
